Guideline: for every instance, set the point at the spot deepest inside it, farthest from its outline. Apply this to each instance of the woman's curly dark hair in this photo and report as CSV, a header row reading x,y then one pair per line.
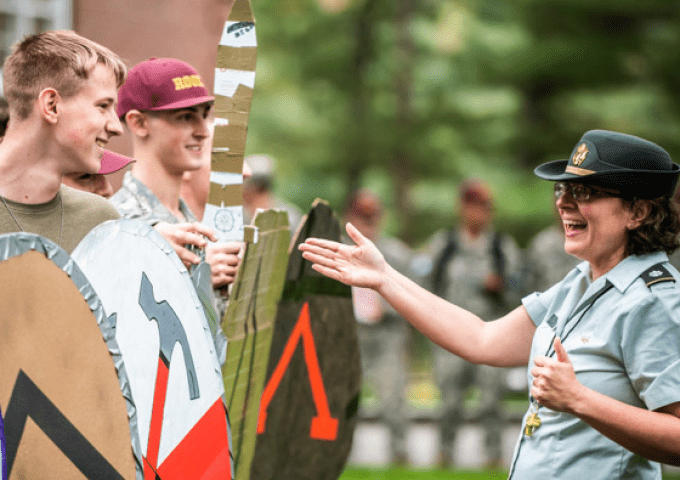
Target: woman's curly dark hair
x,y
659,231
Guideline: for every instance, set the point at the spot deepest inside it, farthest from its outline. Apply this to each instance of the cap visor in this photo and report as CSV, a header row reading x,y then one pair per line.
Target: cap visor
x,y
554,171
187,102
112,162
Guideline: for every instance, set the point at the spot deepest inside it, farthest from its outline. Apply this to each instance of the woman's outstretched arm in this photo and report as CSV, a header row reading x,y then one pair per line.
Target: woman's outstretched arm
x,y
503,342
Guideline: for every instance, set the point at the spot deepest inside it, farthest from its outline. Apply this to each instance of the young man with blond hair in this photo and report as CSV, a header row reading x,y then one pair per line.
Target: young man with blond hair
x,y
62,91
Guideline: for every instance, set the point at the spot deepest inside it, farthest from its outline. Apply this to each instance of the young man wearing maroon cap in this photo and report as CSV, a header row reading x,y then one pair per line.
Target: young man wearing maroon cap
x,y
62,90
167,109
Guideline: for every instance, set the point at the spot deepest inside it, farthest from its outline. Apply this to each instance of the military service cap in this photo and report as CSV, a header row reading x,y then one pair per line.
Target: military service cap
x,y
630,164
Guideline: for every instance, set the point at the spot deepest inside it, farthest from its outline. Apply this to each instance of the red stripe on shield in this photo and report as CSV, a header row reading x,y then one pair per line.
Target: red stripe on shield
x,y
203,454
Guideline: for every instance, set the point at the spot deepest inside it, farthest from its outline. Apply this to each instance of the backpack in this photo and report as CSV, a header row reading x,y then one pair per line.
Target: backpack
x,y
440,283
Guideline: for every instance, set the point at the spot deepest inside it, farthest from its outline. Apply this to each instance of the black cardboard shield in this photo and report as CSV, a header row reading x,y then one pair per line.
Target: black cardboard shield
x,y
64,414
309,403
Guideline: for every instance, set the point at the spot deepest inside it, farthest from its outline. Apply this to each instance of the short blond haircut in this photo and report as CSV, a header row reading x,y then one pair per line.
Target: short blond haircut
x,y
62,60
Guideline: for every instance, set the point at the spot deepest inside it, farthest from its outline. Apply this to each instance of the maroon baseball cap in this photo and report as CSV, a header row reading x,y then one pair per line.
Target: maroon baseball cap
x,y
476,191
112,162
161,84
364,203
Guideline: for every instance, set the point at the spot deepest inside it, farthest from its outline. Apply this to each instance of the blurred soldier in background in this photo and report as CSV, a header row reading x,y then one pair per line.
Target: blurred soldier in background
x,y
476,268
258,192
382,332
547,262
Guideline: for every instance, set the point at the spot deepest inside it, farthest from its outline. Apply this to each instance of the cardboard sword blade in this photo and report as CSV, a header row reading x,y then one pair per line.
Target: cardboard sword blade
x,y
234,85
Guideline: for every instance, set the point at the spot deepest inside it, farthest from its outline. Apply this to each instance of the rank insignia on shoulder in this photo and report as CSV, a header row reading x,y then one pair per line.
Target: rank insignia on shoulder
x,y
656,274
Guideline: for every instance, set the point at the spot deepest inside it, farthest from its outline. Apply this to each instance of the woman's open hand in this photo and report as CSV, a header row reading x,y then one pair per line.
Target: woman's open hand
x,y
360,265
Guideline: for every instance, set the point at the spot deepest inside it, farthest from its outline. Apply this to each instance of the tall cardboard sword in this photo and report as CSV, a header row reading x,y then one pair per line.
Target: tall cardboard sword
x,y
234,85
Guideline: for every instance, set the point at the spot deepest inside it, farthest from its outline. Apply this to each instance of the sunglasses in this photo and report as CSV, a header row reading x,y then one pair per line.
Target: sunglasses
x,y
582,193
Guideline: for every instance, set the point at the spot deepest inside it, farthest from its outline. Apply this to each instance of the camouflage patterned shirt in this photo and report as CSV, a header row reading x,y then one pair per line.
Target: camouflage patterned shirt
x,y
468,268
136,200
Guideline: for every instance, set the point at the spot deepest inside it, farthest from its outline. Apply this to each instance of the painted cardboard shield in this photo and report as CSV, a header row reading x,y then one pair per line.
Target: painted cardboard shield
x,y
248,323
64,414
201,276
167,347
308,409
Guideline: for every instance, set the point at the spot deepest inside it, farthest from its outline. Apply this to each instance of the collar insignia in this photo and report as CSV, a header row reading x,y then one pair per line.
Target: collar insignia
x,y
580,154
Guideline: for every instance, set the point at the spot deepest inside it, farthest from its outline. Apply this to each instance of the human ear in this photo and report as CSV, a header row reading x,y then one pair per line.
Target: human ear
x,y
639,211
138,123
48,104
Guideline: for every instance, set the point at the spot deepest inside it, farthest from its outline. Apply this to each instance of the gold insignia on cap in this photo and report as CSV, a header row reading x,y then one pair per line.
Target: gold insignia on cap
x,y
580,154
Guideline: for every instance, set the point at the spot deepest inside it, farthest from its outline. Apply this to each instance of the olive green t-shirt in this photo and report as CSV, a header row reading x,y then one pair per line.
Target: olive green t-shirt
x,y
81,212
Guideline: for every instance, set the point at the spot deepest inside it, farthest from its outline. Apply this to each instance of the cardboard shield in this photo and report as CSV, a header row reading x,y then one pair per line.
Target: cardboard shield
x,y
201,276
167,346
60,393
308,409
248,324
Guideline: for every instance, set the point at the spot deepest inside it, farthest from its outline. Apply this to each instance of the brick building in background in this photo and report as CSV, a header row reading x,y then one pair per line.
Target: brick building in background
x,y
134,29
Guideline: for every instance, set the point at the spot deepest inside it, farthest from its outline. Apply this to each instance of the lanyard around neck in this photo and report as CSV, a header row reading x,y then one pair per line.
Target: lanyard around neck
x,y
563,335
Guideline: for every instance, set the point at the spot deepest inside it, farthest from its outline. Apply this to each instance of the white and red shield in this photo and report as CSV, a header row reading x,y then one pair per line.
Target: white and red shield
x,y
167,348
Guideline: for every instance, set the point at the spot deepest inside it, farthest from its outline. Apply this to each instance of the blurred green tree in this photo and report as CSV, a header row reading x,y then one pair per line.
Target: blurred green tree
x,y
408,98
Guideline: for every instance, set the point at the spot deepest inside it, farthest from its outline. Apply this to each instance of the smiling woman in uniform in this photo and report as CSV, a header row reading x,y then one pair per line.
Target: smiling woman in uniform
x,y
603,345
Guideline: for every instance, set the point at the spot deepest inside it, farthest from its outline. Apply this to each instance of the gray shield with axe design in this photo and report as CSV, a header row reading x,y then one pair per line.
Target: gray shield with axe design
x,y
168,349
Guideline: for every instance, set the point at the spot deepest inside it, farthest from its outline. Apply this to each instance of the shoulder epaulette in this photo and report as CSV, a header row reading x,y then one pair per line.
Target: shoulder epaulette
x,y
656,274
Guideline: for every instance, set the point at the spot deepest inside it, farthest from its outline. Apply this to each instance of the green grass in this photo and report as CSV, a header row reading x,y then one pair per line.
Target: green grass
x,y
406,474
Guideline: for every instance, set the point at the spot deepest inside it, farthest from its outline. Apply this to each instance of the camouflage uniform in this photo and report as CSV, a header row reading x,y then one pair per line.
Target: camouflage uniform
x,y
383,338
465,273
547,262
135,200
